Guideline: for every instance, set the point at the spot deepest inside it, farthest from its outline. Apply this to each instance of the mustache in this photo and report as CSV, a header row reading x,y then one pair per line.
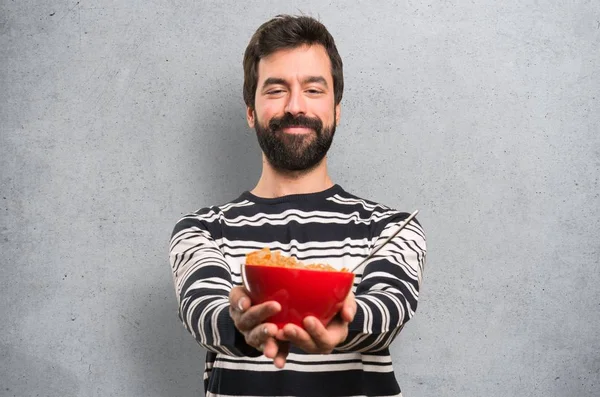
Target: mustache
x,y
288,120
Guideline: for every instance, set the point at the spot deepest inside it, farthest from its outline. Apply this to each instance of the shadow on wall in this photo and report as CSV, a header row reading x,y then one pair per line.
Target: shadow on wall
x,y
25,375
162,355
232,162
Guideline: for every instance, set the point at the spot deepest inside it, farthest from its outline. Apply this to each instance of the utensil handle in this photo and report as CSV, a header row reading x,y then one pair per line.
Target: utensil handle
x,y
402,225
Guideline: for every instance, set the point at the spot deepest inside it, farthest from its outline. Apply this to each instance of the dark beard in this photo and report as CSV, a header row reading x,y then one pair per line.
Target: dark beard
x,y
287,152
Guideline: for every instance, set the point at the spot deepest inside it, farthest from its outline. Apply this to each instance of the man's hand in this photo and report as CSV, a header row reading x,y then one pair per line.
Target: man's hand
x,y
318,338
249,320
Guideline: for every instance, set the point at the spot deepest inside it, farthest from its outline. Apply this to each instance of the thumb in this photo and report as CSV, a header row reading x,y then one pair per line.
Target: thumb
x,y
349,309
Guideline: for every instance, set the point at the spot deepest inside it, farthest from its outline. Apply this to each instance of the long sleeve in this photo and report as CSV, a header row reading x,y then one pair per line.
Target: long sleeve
x,y
202,279
388,292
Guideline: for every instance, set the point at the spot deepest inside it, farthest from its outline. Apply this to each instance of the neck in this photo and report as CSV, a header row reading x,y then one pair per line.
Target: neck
x,y
274,183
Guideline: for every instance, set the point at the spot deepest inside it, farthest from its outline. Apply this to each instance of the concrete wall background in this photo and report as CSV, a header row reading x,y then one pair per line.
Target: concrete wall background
x,y
118,117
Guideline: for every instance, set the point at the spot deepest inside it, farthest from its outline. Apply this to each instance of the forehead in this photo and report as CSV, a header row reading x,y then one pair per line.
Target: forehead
x,y
295,63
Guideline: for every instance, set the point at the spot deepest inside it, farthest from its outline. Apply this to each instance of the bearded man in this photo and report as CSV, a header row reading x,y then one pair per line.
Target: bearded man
x,y
293,85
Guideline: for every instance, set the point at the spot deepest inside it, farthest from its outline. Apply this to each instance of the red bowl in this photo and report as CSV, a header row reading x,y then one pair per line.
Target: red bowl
x,y
300,292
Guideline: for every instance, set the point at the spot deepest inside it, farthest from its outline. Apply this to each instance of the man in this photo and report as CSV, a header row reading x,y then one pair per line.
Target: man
x,y
293,84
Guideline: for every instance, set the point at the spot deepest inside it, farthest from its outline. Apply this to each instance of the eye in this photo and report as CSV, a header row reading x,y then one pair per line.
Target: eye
x,y
314,91
276,91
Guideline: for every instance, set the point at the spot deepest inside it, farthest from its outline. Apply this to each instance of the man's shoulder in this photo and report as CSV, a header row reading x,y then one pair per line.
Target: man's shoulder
x,y
208,215
212,211
377,211
346,198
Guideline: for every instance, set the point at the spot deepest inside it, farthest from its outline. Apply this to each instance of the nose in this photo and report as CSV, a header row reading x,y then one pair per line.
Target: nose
x,y
296,103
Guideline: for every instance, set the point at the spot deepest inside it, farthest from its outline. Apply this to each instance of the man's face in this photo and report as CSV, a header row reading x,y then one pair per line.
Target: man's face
x,y
295,113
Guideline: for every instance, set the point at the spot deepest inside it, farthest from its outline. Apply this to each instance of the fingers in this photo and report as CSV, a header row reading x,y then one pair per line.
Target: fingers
x,y
270,348
301,338
275,344
250,321
257,315
281,357
239,302
315,338
245,316
239,299
261,336
317,331
348,311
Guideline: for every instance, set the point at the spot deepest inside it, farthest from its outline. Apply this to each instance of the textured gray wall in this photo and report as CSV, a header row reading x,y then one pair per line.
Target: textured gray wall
x,y
119,116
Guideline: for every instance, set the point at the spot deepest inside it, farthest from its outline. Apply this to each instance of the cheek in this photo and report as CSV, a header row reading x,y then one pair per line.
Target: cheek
x,y
326,113
267,111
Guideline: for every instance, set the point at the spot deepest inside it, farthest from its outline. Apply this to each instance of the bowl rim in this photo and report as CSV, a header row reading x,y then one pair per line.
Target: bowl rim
x,y
347,271
315,271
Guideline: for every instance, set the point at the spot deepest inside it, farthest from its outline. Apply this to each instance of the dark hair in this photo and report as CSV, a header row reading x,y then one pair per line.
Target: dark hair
x,y
284,32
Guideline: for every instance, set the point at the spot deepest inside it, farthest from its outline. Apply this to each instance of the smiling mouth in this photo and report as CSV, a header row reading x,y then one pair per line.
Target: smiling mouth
x,y
297,130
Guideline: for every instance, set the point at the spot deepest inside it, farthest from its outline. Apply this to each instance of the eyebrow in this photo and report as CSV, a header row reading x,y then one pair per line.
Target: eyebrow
x,y
315,79
310,79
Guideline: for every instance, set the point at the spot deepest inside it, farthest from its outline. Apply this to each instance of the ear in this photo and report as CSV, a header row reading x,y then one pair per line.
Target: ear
x,y
338,112
250,116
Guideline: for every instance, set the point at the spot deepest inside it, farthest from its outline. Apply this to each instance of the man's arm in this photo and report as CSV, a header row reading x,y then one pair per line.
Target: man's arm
x,y
387,295
385,299
207,305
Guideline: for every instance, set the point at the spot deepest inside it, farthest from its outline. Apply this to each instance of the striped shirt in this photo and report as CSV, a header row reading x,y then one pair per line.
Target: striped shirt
x,y
333,227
